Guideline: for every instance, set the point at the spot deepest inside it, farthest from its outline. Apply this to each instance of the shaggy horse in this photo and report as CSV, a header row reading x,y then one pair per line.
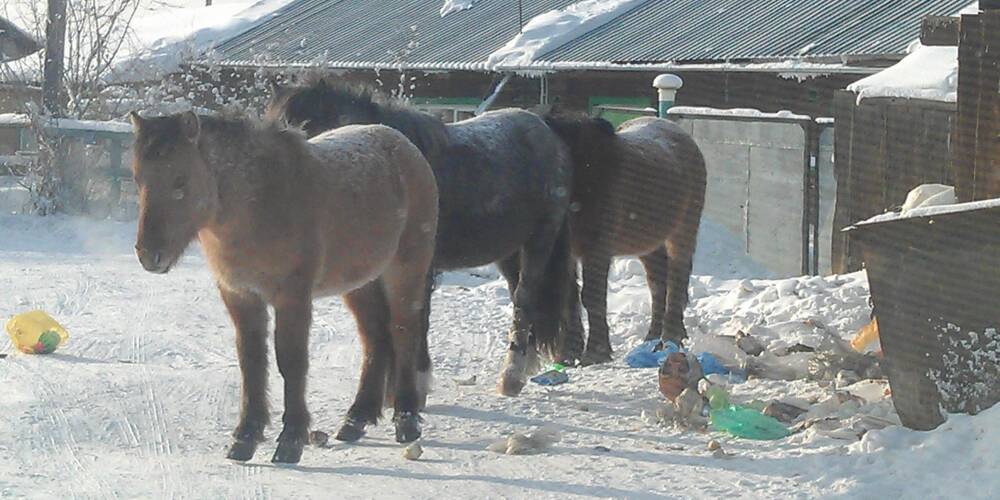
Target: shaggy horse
x,y
636,192
281,221
503,179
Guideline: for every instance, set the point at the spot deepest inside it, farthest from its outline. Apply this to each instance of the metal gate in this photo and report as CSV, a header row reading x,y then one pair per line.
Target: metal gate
x,y
767,175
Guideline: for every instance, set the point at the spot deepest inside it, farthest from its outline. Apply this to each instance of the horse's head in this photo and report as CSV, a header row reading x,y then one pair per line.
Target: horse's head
x,y
178,194
590,139
321,106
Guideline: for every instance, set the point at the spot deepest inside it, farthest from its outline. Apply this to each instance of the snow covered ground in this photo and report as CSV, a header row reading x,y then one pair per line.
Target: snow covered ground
x,y
140,402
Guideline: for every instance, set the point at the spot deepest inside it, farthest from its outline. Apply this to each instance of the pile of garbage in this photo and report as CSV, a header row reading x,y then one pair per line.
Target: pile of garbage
x,y
697,386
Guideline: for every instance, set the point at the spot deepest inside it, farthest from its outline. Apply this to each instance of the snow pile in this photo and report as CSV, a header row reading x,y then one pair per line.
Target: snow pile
x,y
456,6
929,195
957,460
548,31
929,73
163,41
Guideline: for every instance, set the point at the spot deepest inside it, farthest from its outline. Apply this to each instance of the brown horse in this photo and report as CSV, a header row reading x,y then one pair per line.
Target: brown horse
x,y
283,220
636,192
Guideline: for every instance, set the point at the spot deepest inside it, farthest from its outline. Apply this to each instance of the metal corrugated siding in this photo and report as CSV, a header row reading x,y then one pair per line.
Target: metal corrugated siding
x,y
734,30
313,31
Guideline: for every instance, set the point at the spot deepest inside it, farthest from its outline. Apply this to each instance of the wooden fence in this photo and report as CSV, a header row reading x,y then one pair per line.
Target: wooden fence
x,y
977,162
884,148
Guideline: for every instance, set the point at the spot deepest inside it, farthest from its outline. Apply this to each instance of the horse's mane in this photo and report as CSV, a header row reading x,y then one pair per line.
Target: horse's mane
x,y
592,142
425,131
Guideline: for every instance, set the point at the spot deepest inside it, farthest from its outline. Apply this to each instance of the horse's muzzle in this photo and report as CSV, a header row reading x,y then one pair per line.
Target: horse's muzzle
x,y
153,261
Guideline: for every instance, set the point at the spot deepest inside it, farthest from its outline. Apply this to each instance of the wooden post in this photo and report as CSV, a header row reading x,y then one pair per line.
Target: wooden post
x,y
939,31
976,163
55,43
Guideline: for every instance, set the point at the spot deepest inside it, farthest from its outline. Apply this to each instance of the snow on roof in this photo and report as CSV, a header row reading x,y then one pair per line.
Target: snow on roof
x,y
456,6
738,112
174,35
552,29
929,73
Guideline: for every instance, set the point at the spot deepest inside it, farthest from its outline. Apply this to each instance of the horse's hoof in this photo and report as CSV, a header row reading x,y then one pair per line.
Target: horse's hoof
x,y
592,357
407,427
288,452
351,431
510,386
241,450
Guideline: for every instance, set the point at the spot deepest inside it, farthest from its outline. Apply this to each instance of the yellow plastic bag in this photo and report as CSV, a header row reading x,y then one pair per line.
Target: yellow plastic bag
x,y
35,332
865,336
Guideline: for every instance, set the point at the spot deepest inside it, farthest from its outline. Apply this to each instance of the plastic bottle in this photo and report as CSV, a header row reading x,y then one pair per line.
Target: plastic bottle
x,y
717,397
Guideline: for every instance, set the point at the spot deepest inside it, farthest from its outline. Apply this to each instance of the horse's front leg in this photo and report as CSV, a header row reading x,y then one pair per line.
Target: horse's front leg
x,y
249,315
522,354
293,316
595,300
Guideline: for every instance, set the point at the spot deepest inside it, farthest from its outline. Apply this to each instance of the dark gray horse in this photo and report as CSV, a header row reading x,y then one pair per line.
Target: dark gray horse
x,y
503,182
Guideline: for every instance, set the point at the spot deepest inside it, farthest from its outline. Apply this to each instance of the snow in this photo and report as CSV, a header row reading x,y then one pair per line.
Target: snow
x,y
931,211
456,6
552,29
735,112
141,401
69,124
929,73
171,36
14,119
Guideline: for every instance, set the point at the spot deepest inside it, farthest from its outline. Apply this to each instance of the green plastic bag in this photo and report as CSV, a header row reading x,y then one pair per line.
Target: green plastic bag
x,y
746,423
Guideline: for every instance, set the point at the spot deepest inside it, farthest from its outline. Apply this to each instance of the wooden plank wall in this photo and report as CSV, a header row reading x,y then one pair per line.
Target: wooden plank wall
x,y
977,162
884,148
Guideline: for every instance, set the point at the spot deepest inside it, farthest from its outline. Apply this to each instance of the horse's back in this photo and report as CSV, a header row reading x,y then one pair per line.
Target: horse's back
x,y
377,187
660,176
504,172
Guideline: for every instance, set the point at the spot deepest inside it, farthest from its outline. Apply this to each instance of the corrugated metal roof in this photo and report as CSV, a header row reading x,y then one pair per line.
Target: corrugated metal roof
x,y
385,33
364,33
733,30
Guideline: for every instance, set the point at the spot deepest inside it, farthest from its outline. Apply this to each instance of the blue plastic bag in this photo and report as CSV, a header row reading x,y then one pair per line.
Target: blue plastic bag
x,y
643,355
710,364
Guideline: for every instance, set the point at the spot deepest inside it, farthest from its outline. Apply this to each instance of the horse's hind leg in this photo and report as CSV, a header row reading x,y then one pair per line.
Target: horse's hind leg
x,y
425,376
292,317
371,312
656,264
681,255
249,315
595,300
572,331
405,289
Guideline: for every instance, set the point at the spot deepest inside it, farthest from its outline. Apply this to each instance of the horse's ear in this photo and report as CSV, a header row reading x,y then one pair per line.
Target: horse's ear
x,y
136,120
190,126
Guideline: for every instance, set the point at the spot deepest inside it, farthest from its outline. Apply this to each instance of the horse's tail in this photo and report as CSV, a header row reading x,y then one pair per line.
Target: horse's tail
x,y
559,284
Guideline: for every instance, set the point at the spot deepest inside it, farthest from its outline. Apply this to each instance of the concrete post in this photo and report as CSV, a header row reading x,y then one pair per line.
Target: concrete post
x,y
667,86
